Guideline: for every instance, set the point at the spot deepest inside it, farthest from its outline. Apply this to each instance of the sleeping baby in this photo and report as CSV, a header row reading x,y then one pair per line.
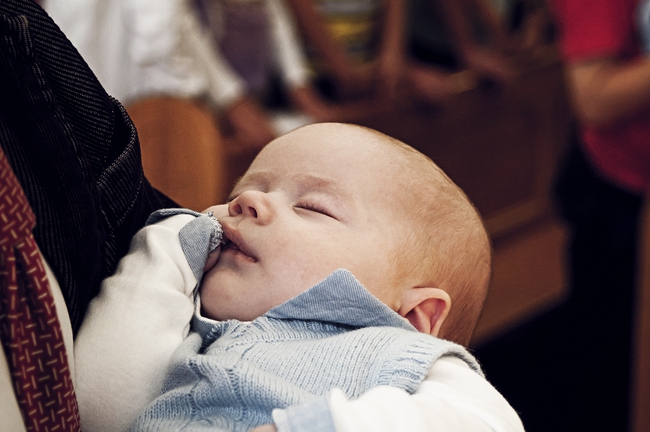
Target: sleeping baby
x,y
319,298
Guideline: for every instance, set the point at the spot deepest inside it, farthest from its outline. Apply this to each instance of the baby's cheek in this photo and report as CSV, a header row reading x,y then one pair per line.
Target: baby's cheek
x,y
212,297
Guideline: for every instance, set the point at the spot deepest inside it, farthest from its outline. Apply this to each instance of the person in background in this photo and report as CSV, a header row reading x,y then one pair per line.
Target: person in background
x,y
405,50
240,60
197,49
600,193
145,48
259,42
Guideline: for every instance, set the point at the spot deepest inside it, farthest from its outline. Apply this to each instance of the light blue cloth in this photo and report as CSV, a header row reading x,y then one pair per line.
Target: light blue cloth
x,y
230,375
198,238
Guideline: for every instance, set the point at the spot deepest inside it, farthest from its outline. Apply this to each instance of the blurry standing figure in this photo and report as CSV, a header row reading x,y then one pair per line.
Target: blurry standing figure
x,y
144,48
258,40
219,52
402,49
605,46
155,58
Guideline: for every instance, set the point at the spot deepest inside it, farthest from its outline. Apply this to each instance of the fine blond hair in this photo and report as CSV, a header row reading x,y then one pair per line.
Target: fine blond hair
x,y
445,244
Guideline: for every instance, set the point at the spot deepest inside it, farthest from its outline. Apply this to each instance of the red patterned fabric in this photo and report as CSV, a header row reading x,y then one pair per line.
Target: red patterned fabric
x,y
29,328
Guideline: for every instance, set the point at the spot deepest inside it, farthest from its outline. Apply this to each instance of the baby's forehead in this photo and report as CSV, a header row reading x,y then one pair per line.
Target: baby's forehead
x,y
340,144
382,159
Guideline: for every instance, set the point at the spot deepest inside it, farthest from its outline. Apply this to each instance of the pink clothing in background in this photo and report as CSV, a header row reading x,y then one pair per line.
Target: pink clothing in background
x,y
609,28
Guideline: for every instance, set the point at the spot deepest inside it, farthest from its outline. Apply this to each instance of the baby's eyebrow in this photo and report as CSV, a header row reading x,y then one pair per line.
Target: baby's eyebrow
x,y
259,179
307,183
321,184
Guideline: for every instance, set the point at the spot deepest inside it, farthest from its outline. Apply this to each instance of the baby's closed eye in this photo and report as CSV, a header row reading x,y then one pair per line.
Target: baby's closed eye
x,y
317,208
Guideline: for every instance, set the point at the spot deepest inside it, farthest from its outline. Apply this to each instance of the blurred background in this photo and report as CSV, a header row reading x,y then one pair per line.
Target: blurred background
x,y
477,85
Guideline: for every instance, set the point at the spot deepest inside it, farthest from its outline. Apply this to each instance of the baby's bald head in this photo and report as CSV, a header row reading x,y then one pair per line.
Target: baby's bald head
x,y
445,243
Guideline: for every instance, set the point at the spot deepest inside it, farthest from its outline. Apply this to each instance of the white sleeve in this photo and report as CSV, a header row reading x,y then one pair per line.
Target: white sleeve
x,y
174,55
142,48
452,398
132,327
224,86
288,49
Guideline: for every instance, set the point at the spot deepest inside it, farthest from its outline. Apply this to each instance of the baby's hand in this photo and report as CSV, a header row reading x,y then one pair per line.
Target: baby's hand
x,y
216,239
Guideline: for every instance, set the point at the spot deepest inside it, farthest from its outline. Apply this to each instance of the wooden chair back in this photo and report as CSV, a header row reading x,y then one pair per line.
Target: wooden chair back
x,y
182,150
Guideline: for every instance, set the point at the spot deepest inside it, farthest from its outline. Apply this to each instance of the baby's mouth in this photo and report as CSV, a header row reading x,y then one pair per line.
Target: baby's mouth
x,y
231,242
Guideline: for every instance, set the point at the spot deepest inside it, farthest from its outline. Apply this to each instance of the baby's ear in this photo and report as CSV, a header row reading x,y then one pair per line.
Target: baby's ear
x,y
426,308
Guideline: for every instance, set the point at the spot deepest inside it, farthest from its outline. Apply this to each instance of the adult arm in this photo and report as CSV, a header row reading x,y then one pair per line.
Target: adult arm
x,y
173,54
606,81
452,398
287,45
485,60
315,31
605,90
249,124
293,66
392,51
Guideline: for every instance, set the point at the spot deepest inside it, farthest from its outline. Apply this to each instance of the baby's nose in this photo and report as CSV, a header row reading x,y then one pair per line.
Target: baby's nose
x,y
253,204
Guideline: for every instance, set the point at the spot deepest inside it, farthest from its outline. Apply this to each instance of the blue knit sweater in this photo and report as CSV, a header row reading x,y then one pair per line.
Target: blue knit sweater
x,y
230,375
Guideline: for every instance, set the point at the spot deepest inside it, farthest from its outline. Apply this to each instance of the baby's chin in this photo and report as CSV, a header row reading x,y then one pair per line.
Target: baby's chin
x,y
207,312
222,316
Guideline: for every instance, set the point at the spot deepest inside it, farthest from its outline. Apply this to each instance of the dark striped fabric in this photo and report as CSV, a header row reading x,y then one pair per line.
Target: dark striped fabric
x,y
74,150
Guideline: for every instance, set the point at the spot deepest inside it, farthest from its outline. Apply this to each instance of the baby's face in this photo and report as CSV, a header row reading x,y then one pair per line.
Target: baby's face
x,y
313,201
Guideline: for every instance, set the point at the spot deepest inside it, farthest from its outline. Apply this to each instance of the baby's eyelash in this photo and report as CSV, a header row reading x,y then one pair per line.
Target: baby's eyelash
x,y
233,196
315,208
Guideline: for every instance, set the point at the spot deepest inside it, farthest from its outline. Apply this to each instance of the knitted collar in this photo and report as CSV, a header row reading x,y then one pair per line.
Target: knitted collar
x,y
340,299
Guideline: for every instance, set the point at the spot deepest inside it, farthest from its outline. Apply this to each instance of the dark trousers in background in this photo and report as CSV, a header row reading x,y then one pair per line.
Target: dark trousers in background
x,y
568,370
